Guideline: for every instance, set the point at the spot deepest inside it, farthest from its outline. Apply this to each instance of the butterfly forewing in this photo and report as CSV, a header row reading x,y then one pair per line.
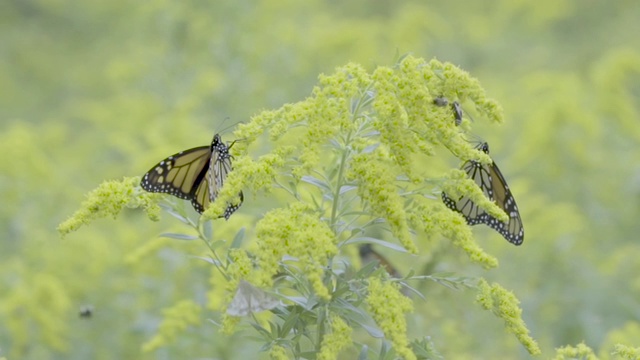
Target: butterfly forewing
x,y
175,174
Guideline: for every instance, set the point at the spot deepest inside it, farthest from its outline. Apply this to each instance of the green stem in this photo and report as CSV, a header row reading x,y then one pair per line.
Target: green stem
x,y
213,251
339,182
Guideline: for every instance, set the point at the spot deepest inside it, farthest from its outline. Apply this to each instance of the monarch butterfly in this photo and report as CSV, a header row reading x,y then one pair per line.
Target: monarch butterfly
x,y
490,180
196,174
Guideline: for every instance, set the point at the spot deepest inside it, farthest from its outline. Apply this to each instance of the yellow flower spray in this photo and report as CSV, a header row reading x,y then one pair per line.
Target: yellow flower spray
x,y
343,166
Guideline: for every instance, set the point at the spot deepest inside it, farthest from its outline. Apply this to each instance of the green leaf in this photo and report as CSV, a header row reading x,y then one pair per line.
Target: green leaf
x,y
175,214
368,269
364,353
373,331
216,244
370,148
261,330
209,260
347,188
449,280
237,240
370,240
424,349
207,230
178,236
316,182
288,324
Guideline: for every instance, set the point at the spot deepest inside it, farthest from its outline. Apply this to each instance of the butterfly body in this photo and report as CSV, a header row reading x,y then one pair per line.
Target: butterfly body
x,y
195,174
490,180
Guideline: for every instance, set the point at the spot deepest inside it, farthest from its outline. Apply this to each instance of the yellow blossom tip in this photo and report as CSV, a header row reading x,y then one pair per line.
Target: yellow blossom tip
x,y
505,305
108,200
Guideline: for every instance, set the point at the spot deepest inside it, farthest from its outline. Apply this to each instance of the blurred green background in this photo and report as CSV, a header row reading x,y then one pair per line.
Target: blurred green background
x,y
102,89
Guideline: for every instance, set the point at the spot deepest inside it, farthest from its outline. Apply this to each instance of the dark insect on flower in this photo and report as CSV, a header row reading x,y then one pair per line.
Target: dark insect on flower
x,y
455,106
196,174
490,180
86,311
457,112
441,101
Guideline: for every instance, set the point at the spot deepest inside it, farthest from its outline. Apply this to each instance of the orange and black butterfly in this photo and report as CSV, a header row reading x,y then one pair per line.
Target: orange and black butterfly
x,y
490,180
196,174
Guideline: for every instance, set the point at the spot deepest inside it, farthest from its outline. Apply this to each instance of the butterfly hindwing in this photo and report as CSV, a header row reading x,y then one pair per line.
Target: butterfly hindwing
x,y
513,230
201,198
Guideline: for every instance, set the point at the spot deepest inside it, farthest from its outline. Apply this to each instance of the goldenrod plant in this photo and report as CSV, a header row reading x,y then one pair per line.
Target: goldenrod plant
x,y
341,168
91,91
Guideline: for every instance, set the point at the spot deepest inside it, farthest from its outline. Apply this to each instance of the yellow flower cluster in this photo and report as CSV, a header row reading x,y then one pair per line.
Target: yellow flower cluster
x,y
108,199
240,268
176,319
434,218
277,352
336,340
627,352
377,188
296,232
40,299
324,115
388,307
391,109
453,82
217,296
506,306
145,249
581,351
402,104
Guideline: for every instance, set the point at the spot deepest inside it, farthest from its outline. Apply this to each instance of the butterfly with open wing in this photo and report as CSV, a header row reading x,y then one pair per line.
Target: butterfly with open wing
x,y
490,180
195,174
